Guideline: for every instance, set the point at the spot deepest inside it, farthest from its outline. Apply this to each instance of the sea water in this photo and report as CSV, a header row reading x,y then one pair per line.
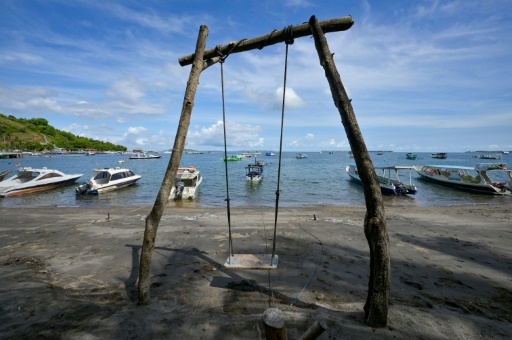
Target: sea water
x,y
319,179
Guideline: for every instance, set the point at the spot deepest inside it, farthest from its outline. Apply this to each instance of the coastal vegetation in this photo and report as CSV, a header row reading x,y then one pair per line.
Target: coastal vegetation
x,y
36,134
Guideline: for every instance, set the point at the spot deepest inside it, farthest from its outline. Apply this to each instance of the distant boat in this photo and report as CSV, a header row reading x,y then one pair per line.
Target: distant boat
x,y
380,153
186,183
269,154
28,180
90,153
168,151
440,155
107,179
145,155
246,154
474,179
410,156
389,180
254,172
233,158
491,156
301,155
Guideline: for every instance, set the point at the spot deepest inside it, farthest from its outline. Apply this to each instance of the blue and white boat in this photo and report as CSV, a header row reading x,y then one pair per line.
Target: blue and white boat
x,y
107,179
475,179
389,180
254,172
146,155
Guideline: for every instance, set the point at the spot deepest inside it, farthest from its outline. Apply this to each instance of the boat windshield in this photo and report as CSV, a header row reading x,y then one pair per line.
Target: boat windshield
x,y
50,175
101,175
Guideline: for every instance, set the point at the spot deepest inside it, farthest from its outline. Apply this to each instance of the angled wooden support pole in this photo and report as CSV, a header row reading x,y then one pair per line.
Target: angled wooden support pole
x,y
313,332
275,37
153,219
376,306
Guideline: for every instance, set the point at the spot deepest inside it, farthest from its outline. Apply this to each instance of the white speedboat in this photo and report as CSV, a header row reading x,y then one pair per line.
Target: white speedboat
x,y
301,155
146,155
474,179
28,180
389,180
186,183
107,179
254,172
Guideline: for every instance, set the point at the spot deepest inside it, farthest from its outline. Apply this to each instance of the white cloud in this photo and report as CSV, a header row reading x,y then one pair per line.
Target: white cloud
x,y
127,89
237,136
310,136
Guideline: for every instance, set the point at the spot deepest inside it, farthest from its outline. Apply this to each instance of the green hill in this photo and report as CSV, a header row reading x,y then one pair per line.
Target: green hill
x,y
37,135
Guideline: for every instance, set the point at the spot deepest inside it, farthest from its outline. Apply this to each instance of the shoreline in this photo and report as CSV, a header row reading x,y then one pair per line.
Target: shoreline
x,y
71,272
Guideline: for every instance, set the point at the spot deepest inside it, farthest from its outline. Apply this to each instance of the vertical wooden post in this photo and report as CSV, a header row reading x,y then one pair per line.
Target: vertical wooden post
x,y
376,306
274,324
153,219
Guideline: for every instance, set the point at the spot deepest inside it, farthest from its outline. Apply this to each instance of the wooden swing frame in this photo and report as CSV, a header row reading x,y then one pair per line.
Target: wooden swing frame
x,y
376,306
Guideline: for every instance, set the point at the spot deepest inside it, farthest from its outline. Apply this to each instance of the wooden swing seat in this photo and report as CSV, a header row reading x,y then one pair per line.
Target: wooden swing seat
x,y
252,261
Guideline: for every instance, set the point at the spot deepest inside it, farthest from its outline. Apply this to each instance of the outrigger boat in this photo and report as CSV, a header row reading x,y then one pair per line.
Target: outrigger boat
x,y
186,183
254,172
474,179
107,179
390,183
28,180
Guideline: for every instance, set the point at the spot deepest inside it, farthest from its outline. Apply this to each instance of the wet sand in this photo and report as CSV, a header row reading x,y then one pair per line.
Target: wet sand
x,y
72,273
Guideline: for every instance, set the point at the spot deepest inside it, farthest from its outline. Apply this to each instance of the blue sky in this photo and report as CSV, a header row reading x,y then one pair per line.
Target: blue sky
x,y
423,75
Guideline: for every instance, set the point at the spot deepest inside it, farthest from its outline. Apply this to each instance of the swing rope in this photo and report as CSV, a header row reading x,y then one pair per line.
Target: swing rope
x,y
223,58
226,156
288,41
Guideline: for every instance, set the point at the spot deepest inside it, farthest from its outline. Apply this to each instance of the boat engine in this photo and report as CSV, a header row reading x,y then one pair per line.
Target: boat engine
x,y
83,188
402,189
180,186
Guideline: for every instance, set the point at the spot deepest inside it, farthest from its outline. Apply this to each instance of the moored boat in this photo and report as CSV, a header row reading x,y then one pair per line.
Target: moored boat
x,y
475,179
301,156
491,156
28,180
440,155
233,158
186,183
146,155
269,153
107,179
254,172
389,180
411,156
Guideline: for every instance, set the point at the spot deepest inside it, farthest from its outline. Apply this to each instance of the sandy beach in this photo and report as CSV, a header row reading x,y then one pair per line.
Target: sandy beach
x,y
71,273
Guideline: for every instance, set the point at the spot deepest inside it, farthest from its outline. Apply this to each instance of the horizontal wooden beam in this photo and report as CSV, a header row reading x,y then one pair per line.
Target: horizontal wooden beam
x,y
275,37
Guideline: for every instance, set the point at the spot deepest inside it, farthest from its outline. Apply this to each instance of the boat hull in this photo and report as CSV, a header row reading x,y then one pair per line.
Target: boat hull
x,y
37,188
459,184
111,187
386,187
